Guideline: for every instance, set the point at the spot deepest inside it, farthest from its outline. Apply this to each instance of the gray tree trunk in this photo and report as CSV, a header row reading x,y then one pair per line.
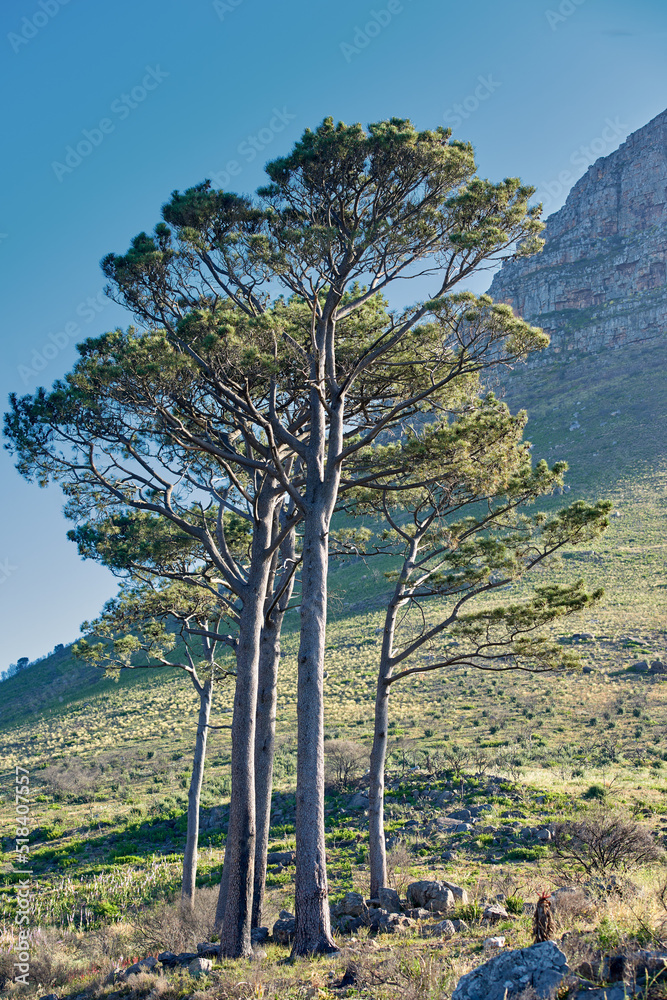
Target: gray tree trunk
x,y
236,887
313,924
265,735
265,732
194,795
377,854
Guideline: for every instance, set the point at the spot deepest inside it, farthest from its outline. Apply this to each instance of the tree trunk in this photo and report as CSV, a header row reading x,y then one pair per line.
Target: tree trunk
x,y
267,696
377,855
265,734
236,886
313,924
194,794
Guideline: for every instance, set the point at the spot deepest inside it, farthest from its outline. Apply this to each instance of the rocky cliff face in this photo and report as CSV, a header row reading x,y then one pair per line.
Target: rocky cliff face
x,y
601,280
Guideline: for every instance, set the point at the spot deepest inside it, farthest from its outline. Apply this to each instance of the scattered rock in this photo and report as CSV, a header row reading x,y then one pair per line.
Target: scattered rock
x,y
640,667
430,896
658,667
419,913
284,929
200,966
281,858
207,948
358,801
143,965
448,856
258,955
351,905
258,935
443,929
542,967
544,835
462,814
390,900
494,913
494,942
389,923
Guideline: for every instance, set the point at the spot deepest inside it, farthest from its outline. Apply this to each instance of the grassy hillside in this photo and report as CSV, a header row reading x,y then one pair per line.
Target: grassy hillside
x,y
109,762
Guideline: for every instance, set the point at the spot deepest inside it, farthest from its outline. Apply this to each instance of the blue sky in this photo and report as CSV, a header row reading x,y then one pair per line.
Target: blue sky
x,y
110,107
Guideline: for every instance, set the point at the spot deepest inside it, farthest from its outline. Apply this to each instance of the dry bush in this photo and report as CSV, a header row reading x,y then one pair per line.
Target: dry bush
x,y
571,907
168,928
345,759
604,843
399,861
72,777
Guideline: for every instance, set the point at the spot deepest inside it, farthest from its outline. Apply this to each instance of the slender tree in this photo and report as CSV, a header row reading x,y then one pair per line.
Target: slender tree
x,y
456,516
147,627
346,206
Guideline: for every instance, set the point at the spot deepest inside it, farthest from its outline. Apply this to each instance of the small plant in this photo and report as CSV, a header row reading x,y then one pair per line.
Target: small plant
x,y
471,912
515,904
595,792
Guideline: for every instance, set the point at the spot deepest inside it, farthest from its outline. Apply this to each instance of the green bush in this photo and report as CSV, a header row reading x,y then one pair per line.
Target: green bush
x,y
514,904
595,792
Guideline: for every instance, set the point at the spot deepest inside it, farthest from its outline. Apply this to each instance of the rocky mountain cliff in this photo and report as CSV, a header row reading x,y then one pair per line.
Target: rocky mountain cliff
x,y
601,280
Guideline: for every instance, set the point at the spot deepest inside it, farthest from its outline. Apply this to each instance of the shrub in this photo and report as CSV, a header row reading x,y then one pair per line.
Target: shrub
x,y
514,904
345,760
595,792
604,843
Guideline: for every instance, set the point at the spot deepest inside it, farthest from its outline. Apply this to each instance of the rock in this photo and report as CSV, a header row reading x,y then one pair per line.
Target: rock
x,y
258,935
389,923
640,667
494,913
208,948
464,828
168,958
443,929
544,835
185,957
430,896
50,996
281,858
143,965
346,924
448,856
200,966
285,915
493,942
527,833
542,966
462,814
419,913
258,955
600,280
284,930
212,819
658,667
460,926
351,905
390,900
358,801
583,636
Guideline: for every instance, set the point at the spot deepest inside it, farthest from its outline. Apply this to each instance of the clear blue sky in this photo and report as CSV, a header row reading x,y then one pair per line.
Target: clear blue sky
x,y
172,91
